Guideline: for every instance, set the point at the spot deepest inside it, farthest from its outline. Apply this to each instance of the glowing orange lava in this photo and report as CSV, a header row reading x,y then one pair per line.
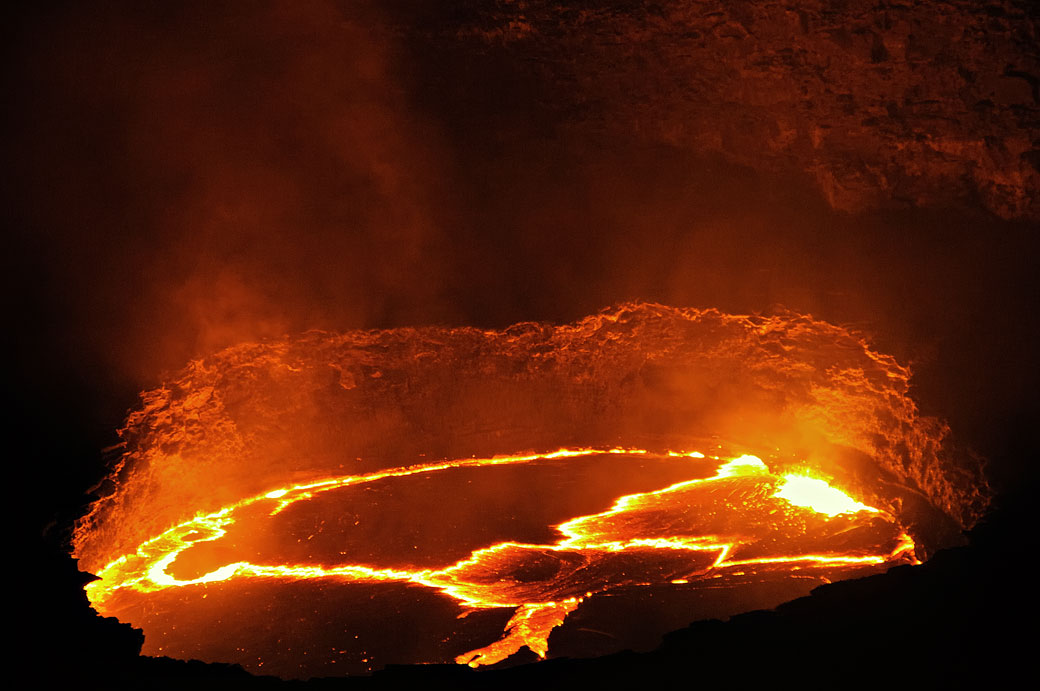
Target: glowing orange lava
x,y
621,528
221,512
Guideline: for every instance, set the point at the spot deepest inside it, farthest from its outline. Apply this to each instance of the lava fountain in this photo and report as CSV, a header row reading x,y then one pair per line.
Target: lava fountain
x,y
332,503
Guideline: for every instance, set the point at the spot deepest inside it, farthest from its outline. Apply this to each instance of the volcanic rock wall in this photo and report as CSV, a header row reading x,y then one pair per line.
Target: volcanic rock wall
x,y
882,103
258,416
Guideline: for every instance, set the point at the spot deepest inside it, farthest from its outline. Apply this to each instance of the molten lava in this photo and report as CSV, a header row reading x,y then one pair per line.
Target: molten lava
x,y
257,515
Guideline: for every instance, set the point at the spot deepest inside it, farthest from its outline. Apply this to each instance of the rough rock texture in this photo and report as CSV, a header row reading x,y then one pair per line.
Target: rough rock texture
x,y
883,103
640,375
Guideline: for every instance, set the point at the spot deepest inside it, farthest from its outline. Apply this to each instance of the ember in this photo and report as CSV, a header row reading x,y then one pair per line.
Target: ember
x,y
334,503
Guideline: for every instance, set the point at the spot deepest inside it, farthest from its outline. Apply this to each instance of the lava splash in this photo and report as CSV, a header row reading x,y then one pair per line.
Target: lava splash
x,y
332,503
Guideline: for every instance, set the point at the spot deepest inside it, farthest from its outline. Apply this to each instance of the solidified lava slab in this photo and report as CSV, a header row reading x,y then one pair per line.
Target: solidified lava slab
x,y
256,577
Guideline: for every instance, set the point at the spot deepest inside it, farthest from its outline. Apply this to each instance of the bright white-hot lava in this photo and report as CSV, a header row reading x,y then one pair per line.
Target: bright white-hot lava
x,y
816,494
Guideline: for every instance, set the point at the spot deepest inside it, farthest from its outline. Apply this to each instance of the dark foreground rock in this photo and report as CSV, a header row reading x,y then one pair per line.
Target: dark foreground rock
x,y
953,621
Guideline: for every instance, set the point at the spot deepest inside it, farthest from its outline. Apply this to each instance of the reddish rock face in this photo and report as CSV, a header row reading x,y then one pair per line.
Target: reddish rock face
x,y
881,103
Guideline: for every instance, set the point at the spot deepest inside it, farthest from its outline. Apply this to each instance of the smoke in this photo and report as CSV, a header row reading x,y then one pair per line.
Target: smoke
x,y
194,176
217,175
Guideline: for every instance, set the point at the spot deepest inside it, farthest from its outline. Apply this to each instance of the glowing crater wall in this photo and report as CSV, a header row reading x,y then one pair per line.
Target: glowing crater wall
x,y
313,459
262,415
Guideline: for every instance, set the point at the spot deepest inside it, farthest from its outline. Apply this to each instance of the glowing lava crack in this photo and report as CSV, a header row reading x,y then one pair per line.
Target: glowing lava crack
x,y
302,544
482,580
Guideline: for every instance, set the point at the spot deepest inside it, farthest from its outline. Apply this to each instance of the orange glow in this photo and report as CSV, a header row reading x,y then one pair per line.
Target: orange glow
x,y
309,468
594,537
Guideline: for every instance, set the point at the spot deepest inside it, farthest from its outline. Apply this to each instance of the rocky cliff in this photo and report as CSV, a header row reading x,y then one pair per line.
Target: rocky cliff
x,y
882,103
